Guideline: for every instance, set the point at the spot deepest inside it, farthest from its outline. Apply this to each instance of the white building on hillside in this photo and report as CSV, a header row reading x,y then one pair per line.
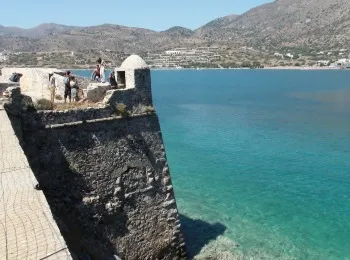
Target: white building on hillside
x,y
322,63
289,55
342,63
277,54
173,52
3,57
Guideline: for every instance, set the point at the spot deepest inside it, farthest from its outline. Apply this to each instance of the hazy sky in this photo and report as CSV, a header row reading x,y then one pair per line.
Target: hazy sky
x,y
151,14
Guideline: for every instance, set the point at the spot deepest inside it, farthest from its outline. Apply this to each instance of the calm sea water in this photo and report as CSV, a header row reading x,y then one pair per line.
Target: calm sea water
x,y
260,160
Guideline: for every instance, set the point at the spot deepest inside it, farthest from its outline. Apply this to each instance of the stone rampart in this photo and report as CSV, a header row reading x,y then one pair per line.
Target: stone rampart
x,y
104,171
107,182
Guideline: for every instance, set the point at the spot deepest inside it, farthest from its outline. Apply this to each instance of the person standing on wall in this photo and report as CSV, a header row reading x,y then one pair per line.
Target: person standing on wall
x,y
102,70
112,80
52,86
74,88
67,88
96,74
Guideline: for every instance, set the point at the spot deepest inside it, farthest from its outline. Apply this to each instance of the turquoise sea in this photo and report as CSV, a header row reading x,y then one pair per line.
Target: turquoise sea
x,y
260,161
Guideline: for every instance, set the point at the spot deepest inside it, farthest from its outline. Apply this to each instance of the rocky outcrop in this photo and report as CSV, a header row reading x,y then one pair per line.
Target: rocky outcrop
x,y
96,92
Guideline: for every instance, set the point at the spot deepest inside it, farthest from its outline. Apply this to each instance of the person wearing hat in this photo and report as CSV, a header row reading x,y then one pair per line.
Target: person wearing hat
x,y
52,86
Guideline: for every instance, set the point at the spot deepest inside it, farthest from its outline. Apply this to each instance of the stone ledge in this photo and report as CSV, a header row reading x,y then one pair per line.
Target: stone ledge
x,y
94,121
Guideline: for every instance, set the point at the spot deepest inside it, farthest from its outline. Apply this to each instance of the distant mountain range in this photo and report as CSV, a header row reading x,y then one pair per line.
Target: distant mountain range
x,y
302,24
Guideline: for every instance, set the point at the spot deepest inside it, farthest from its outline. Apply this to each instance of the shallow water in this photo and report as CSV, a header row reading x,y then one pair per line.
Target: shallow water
x,y
261,159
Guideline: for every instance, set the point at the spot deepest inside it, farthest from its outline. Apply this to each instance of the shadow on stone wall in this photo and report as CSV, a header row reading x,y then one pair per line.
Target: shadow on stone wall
x,y
107,184
80,223
199,233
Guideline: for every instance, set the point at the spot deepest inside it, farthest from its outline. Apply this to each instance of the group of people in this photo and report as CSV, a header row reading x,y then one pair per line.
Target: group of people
x,y
71,83
70,87
98,74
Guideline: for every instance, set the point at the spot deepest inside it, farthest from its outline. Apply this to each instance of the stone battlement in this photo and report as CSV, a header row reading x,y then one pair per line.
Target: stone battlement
x,y
104,175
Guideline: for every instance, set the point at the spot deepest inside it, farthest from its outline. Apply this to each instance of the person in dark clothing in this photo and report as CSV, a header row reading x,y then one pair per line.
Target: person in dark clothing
x,y
67,88
15,77
112,80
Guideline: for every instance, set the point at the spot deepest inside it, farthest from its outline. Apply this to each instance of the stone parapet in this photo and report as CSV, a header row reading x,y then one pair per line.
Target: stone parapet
x,y
104,171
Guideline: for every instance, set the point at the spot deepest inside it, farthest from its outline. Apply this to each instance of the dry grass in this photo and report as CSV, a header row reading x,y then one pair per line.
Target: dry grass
x,y
122,110
75,105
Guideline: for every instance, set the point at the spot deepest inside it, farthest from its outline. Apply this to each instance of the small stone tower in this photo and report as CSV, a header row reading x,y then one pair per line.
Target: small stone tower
x,y
133,73
134,84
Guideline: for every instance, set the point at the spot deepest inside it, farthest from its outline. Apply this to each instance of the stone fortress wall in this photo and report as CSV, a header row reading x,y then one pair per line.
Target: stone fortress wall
x,y
35,81
106,177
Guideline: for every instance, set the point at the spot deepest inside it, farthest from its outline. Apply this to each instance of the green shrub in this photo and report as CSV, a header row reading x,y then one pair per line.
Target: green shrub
x,y
149,110
43,104
122,110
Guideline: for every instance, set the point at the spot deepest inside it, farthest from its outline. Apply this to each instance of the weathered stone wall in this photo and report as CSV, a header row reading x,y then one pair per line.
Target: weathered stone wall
x,y
49,117
35,81
107,182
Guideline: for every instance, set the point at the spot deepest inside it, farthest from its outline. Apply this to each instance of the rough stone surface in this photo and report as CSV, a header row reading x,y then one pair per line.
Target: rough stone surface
x,y
105,177
35,81
137,90
104,181
96,91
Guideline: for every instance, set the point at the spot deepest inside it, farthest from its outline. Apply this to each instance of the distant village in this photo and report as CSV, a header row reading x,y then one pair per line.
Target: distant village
x,y
185,57
343,60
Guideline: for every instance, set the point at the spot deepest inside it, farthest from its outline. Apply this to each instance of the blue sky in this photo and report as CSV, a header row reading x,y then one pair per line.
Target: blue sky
x,y
151,14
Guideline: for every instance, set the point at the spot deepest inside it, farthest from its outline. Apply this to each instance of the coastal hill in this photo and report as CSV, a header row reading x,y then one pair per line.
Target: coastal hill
x,y
289,23
54,37
311,24
215,27
302,27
